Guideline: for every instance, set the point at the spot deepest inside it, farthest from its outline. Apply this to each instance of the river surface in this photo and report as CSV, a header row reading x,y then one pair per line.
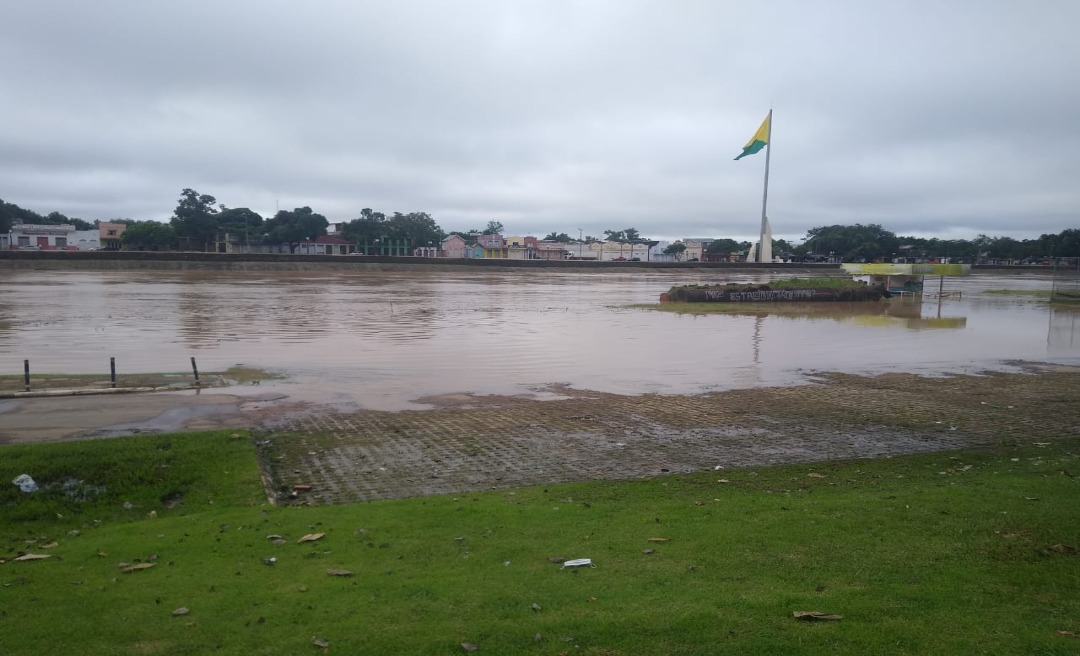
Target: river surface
x,y
387,339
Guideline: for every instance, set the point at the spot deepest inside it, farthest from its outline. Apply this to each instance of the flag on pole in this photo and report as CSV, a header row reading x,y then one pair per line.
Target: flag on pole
x,y
758,141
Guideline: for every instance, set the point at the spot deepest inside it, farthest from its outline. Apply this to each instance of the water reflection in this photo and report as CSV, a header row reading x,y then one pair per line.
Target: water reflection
x,y
383,338
897,313
1063,335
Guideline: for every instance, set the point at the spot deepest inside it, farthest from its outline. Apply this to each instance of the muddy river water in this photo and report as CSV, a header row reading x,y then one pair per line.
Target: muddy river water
x,y
389,339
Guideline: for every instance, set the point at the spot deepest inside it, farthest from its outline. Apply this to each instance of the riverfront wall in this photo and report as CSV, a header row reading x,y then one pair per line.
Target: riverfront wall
x,y
171,260
121,260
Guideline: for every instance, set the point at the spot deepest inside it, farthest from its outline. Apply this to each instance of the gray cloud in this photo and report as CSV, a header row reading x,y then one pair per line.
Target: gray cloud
x,y
947,119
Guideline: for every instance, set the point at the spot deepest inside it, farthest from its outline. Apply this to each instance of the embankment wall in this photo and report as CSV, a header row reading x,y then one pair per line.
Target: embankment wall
x,y
122,260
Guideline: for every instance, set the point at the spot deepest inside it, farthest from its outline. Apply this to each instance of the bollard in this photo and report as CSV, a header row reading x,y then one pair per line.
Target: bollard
x,y
26,374
112,373
195,369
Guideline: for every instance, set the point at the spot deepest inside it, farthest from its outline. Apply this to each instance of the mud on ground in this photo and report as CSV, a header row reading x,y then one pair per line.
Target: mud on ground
x,y
471,443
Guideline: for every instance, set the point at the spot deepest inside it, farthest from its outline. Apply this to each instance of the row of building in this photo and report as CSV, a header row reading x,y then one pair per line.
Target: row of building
x,y
492,246
107,236
64,237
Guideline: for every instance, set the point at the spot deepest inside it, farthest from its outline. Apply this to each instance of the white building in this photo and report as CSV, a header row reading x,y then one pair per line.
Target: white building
x,y
579,250
38,237
85,240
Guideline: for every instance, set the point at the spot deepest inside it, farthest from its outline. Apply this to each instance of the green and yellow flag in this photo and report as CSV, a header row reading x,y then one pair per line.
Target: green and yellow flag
x,y
758,141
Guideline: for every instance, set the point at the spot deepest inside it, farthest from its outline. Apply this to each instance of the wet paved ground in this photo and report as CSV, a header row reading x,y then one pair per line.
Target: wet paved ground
x,y
472,443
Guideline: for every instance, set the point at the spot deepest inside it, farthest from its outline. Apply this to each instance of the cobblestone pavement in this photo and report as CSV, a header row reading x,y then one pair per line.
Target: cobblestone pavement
x,y
471,443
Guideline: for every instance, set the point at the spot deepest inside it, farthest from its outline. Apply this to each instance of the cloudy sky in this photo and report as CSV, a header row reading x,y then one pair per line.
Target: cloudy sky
x,y
931,118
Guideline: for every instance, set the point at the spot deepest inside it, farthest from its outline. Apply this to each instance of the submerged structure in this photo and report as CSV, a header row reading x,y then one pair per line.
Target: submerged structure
x,y
901,279
796,290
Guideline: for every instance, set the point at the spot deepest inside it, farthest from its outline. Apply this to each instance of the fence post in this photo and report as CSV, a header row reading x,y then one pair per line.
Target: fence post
x,y
195,369
26,374
112,373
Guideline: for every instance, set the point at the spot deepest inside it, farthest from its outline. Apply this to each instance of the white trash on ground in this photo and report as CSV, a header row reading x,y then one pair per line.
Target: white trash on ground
x,y
25,483
579,562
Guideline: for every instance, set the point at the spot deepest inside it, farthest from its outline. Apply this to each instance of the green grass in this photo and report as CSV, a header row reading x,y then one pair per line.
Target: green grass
x,y
1063,297
932,554
1037,293
243,374
93,479
786,283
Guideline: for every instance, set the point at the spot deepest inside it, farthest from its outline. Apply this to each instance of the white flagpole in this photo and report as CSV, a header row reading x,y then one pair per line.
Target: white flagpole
x,y
765,193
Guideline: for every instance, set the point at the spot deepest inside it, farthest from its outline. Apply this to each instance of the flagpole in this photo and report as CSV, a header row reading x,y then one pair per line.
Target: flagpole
x,y
765,193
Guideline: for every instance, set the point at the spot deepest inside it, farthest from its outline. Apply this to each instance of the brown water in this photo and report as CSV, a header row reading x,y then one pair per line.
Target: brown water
x,y
383,339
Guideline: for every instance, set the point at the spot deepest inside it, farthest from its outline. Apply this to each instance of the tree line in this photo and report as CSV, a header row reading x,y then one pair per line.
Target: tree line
x,y
873,242
199,221
10,213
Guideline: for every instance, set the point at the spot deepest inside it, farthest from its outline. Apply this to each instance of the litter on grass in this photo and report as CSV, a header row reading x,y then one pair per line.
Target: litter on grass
x,y
578,562
25,483
815,616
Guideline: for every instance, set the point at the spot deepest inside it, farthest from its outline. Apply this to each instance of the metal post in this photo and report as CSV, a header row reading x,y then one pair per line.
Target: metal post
x,y
195,369
26,374
112,372
765,193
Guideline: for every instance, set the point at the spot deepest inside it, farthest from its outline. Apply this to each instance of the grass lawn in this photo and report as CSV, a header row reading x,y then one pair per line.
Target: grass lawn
x,y
948,553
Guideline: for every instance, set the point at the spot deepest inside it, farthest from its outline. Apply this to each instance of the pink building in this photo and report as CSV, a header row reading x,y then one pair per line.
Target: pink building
x,y
453,246
550,250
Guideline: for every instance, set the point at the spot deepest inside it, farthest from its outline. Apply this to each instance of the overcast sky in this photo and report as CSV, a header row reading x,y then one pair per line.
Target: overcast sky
x,y
932,118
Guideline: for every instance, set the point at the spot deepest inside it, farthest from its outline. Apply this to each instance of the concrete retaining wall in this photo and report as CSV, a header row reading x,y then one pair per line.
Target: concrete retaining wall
x,y
121,260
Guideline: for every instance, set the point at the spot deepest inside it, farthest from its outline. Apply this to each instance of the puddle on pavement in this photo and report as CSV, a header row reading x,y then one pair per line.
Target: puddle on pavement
x,y
169,421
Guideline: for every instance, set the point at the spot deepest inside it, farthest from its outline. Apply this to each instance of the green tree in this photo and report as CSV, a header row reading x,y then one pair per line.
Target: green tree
x,y
677,248
238,221
493,228
852,242
628,236
1006,248
195,219
726,246
370,225
1066,244
560,237
294,227
56,218
10,213
957,249
416,228
152,235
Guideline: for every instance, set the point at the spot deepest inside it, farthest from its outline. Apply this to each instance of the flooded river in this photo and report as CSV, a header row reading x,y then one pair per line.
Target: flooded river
x,y
386,339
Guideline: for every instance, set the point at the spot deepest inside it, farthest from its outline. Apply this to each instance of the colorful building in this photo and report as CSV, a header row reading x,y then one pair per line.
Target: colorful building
x,y
109,235
453,246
